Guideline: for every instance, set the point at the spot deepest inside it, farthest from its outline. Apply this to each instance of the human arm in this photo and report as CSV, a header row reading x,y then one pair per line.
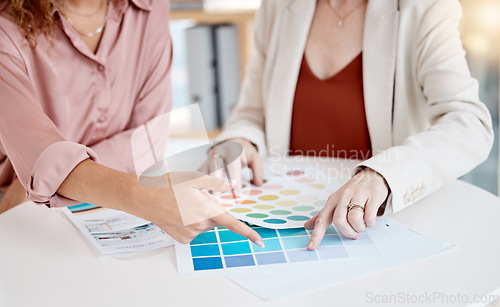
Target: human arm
x,y
459,137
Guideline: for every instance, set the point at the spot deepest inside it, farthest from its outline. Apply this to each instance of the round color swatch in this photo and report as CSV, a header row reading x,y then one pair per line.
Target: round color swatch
x,y
258,215
307,198
313,213
240,210
275,221
263,207
229,197
227,205
318,186
320,203
286,203
280,212
246,202
296,172
252,192
305,180
273,187
298,218
303,208
268,197
289,192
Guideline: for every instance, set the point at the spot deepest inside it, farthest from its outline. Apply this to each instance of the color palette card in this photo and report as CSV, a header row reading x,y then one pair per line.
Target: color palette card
x,y
220,249
280,203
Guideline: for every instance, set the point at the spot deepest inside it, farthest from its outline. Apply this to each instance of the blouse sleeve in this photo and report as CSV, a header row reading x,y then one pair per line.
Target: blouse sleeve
x,y
41,157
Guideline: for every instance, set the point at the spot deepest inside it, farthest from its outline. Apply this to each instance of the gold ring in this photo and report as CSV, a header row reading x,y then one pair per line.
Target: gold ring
x,y
355,207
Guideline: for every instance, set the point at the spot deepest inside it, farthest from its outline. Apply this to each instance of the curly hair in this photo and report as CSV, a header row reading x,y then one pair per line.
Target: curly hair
x,y
34,17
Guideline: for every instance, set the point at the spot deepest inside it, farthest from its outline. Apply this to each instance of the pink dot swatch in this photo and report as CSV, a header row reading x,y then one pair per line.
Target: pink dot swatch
x,y
305,180
296,172
252,192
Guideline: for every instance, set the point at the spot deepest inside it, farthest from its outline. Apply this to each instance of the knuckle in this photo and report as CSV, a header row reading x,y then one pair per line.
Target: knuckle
x,y
318,222
338,221
331,198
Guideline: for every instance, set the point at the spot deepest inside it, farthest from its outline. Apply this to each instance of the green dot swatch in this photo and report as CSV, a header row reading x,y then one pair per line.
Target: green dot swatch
x,y
257,215
280,212
303,208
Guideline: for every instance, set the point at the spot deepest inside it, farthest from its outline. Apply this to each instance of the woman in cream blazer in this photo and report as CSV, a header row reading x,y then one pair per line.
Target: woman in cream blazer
x,y
426,123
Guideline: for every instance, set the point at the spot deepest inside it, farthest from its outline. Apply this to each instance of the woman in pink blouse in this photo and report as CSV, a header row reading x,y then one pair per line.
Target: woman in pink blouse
x,y
77,76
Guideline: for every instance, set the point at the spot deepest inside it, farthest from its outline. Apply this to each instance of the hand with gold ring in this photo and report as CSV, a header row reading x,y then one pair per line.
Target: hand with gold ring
x,y
352,208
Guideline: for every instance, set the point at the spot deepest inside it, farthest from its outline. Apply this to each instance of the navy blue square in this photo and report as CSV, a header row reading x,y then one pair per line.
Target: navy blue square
x,y
208,263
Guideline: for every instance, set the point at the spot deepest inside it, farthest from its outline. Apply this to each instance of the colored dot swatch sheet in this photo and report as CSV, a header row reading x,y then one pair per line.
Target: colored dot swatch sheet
x,y
282,202
220,249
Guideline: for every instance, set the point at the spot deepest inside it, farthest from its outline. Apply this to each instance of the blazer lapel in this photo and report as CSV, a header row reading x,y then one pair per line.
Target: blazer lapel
x,y
379,63
294,30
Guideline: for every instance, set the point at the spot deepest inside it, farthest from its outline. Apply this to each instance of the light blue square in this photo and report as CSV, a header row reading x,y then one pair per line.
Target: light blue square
x,y
330,240
272,245
295,242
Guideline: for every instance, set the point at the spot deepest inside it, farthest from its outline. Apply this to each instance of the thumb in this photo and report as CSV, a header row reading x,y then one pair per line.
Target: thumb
x,y
213,183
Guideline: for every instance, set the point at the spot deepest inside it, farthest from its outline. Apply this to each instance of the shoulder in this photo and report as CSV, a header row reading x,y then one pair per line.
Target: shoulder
x,y
12,40
428,10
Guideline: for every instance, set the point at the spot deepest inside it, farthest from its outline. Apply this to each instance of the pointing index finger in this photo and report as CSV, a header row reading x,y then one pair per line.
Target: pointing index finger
x,y
233,224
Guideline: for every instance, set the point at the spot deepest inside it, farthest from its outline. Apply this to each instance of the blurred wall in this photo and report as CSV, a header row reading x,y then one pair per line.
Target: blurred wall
x,y
480,29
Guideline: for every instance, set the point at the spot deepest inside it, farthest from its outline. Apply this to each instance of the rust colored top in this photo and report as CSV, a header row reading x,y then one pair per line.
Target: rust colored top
x,y
328,117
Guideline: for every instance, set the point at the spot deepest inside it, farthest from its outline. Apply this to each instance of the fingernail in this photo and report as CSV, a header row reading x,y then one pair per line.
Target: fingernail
x,y
234,182
310,245
260,244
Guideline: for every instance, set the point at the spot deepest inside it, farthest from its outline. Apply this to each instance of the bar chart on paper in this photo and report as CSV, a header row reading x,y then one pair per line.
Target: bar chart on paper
x,y
221,249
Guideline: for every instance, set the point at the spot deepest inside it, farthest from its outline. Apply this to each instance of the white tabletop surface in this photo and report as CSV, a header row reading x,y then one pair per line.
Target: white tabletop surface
x,y
45,261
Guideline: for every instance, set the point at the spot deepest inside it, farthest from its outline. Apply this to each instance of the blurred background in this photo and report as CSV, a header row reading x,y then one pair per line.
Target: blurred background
x,y
213,40
481,38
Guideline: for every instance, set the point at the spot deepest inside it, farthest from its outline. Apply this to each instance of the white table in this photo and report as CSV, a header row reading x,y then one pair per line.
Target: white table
x,y
45,261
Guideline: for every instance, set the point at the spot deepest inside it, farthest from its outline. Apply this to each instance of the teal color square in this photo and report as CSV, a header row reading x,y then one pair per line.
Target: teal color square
x,y
236,248
266,233
292,232
229,236
331,230
205,250
205,238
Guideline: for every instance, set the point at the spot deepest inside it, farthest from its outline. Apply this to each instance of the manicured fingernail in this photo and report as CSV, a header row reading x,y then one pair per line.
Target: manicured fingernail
x,y
234,182
310,245
260,244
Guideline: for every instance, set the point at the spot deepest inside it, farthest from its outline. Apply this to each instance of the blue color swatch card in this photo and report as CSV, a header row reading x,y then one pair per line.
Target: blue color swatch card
x,y
220,249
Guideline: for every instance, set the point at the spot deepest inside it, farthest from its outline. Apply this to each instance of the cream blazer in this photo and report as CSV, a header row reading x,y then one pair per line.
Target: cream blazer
x,y
426,122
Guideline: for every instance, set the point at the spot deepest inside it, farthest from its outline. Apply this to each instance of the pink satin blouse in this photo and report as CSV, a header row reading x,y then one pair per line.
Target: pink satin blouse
x,y
60,103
